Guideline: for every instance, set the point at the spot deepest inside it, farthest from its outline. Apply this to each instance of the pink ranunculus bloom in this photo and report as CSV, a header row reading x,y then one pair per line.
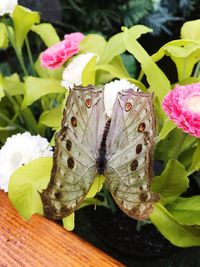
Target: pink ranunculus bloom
x,y
182,105
56,55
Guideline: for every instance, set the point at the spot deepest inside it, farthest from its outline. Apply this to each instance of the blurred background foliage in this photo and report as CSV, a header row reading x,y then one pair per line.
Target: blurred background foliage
x,y
108,16
165,17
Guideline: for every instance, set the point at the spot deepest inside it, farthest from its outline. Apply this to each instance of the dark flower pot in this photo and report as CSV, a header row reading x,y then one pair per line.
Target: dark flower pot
x,y
119,232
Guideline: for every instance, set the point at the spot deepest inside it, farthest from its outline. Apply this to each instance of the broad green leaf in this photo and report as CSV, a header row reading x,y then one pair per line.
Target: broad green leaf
x,y
23,19
47,33
185,157
96,186
52,118
26,182
89,72
184,53
45,73
186,210
130,64
172,182
3,36
179,235
118,62
190,30
155,77
185,57
35,88
117,73
176,139
12,85
195,165
137,30
168,126
189,80
94,43
114,70
115,67
68,222
114,47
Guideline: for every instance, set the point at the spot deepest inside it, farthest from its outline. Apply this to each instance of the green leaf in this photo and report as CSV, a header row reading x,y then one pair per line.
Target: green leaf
x,y
26,182
89,72
184,53
118,62
23,19
155,77
35,88
3,36
52,118
185,56
45,73
137,30
190,30
118,73
12,85
47,33
68,222
186,210
176,139
172,182
93,43
96,186
179,235
168,126
114,47
115,67
114,70
195,165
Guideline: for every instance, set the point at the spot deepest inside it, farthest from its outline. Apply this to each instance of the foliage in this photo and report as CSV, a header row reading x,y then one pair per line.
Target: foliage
x,y
107,16
30,101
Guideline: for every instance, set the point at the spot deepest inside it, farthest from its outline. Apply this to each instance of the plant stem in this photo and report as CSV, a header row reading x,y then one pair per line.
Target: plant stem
x,y
21,61
30,55
12,123
17,52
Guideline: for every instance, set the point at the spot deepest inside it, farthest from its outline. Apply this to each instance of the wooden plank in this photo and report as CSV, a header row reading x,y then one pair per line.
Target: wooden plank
x,y
41,242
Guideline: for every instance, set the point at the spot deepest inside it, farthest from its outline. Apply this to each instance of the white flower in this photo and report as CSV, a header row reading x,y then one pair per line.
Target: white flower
x,y
111,90
7,6
18,150
72,74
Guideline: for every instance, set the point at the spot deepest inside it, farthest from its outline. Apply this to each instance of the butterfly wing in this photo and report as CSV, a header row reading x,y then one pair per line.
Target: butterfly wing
x,y
129,153
76,147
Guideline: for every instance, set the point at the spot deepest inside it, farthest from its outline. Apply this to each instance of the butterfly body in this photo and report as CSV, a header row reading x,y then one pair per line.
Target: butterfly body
x,y
101,160
90,143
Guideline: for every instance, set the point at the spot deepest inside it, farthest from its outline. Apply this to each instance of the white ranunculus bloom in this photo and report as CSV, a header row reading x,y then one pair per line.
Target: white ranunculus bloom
x,y
72,74
18,150
111,90
7,6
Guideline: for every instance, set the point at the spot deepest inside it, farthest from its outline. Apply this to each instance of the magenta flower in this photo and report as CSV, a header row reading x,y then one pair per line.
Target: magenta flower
x,y
56,55
182,105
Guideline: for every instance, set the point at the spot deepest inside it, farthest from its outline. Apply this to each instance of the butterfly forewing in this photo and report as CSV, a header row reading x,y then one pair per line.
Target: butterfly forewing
x,y
76,147
129,153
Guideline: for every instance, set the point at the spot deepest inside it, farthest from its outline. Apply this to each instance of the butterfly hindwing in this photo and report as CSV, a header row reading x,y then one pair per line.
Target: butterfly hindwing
x,y
129,152
74,163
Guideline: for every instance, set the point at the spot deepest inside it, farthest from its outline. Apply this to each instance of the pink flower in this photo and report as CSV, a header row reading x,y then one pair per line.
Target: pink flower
x,y
182,105
56,55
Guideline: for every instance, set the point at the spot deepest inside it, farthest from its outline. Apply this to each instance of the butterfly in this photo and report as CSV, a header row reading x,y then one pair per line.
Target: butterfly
x,y
89,143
